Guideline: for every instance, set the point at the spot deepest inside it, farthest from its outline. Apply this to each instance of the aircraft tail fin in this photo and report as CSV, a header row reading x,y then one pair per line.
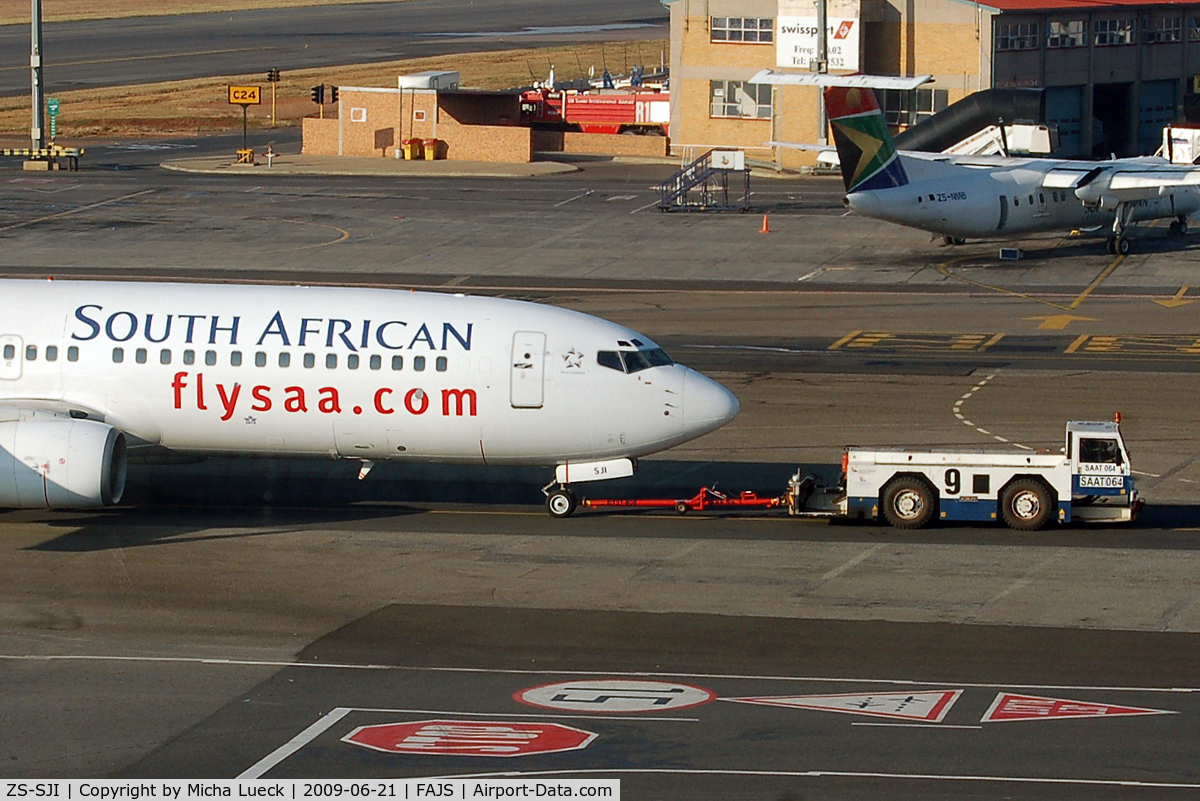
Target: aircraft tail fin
x,y
864,143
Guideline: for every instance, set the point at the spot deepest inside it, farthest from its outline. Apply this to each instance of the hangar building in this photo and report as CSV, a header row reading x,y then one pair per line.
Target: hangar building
x,y
1114,72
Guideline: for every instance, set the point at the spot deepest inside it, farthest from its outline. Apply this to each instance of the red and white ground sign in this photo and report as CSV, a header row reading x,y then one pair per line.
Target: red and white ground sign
x,y
470,738
928,707
1009,706
615,696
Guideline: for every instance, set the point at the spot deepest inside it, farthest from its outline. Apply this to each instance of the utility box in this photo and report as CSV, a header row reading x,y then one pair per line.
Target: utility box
x,y
430,79
729,159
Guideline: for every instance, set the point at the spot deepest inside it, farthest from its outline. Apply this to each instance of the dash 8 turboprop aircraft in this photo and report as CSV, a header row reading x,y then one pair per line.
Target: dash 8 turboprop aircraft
x,y
91,371
962,197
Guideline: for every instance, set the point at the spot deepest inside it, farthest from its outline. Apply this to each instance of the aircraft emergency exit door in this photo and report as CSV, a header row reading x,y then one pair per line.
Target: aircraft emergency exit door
x,y
528,369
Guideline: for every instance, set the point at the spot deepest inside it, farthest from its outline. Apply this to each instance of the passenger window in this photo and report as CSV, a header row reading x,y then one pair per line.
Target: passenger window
x,y
310,360
376,362
330,361
1031,200
352,361
51,353
235,358
139,355
10,352
72,354
189,357
1016,200
397,362
610,359
1041,198
31,353
440,364
285,359
260,359
118,355
164,356
418,363
210,357
1099,451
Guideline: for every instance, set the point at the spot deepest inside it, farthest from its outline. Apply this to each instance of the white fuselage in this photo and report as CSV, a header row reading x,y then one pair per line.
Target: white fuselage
x,y
1005,197
346,373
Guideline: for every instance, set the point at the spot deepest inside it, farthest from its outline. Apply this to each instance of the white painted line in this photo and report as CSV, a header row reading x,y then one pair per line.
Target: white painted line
x,y
584,193
837,774
643,208
1022,447
811,274
620,197
934,726
983,431
999,438
259,768
1144,473
539,716
545,672
857,560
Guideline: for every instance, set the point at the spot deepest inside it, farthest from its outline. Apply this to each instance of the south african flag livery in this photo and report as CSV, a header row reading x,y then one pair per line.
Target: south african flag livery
x,y
864,144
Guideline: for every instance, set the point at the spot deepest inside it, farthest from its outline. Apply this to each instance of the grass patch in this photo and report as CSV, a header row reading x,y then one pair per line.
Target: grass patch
x,y
199,105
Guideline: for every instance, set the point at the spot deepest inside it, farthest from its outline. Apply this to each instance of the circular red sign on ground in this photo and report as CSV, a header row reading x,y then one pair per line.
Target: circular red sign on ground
x,y
477,738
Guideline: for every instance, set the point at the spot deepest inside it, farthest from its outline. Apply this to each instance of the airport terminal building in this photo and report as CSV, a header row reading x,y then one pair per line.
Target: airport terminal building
x,y
1114,72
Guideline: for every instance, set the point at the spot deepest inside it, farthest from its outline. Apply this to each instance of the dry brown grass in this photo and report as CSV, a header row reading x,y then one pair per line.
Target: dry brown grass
x,y
189,107
17,11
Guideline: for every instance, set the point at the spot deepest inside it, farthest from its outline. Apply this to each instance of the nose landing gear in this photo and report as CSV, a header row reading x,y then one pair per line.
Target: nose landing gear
x,y
560,501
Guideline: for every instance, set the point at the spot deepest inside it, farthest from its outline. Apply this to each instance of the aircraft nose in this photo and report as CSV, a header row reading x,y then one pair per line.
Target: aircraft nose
x,y
706,404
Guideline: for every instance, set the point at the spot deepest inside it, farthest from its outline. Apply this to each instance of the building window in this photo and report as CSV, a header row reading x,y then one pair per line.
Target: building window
x,y
740,99
1162,29
908,106
1114,31
1068,33
1194,29
742,29
1017,36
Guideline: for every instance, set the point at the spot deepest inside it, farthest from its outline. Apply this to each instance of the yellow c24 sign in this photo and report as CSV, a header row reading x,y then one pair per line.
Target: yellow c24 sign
x,y
244,95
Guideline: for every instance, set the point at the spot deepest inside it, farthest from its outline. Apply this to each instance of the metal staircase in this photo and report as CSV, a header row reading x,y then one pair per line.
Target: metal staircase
x,y
703,184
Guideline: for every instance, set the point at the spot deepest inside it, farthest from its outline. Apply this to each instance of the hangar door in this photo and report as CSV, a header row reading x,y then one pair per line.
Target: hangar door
x,y
528,369
1064,108
1156,111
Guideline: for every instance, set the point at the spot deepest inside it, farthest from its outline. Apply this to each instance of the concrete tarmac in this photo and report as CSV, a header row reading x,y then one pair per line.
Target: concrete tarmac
x,y
233,604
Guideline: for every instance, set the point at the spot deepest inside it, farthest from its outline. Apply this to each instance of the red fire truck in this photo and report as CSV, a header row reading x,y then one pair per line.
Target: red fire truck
x,y
610,112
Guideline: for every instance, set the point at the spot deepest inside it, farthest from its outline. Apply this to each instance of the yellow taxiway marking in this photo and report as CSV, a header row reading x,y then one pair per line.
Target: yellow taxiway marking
x,y
344,235
1058,322
844,340
76,210
1099,280
1176,301
944,269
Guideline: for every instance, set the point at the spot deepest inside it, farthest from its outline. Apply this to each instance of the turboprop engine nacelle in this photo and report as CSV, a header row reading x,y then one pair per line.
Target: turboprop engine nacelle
x,y
60,463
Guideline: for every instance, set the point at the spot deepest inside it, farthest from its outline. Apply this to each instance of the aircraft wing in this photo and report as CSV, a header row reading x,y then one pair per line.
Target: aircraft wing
x,y
825,79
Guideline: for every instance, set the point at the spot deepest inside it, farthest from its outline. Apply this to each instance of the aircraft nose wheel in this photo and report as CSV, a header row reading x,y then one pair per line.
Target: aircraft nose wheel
x,y
561,502
1119,245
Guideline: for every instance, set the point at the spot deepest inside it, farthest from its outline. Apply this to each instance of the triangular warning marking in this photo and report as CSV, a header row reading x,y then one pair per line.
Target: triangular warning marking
x,y
930,706
1009,706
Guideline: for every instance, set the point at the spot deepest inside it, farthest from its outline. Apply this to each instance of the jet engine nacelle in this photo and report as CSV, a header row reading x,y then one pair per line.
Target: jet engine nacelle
x,y
60,463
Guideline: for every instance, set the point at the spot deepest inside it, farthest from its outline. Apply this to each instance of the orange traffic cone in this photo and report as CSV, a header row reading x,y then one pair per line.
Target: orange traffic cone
x,y
766,229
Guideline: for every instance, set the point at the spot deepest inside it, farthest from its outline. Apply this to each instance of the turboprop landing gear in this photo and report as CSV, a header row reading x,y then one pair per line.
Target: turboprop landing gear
x,y
1118,243
1178,226
560,501
953,240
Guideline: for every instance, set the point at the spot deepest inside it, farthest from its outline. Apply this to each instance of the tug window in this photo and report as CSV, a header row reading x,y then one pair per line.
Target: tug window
x,y
1099,451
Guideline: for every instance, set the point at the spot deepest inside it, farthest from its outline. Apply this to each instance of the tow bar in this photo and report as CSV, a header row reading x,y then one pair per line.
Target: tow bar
x,y
706,498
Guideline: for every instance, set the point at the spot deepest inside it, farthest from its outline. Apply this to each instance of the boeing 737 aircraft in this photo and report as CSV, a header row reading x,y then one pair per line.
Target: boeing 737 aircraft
x,y
991,196
90,371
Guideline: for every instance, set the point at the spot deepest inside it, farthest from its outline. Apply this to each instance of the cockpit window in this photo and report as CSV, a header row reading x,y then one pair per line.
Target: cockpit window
x,y
610,359
633,361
